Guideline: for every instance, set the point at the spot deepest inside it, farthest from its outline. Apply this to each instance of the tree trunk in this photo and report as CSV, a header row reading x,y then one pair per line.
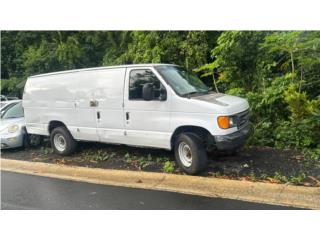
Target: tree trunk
x,y
214,82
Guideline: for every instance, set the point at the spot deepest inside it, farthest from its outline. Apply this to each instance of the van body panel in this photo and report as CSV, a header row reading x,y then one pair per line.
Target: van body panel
x,y
48,99
103,122
200,113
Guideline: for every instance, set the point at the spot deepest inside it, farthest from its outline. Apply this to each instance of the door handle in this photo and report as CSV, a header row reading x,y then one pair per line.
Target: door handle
x,y
98,115
127,116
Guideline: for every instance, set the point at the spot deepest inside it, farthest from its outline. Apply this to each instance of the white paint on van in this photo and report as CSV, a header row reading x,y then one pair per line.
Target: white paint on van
x,y
66,96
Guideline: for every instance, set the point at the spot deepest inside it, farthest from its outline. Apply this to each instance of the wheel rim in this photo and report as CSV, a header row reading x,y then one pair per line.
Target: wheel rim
x,y
59,142
185,154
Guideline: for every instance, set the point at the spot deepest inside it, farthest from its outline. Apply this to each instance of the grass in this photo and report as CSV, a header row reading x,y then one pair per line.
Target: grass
x,y
140,161
277,176
136,159
46,150
298,179
252,176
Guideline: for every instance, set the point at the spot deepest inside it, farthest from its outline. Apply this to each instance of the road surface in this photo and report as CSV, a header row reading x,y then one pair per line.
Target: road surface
x,y
22,191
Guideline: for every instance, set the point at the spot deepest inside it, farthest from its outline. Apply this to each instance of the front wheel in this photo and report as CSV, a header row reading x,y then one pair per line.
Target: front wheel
x,y
190,153
62,141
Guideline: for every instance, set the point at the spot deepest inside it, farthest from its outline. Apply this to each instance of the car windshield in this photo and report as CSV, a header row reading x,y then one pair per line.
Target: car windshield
x,y
13,111
2,104
183,82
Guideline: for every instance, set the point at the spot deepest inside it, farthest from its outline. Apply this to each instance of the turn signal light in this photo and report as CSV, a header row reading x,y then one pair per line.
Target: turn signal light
x,y
224,122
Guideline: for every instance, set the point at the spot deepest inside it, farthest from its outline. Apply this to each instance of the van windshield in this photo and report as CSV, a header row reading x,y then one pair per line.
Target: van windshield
x,y
183,82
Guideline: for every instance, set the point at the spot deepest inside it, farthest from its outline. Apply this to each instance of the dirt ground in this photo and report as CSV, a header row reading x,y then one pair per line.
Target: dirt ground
x,y
250,163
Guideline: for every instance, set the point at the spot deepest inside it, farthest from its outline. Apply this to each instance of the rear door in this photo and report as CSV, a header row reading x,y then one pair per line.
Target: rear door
x,y
146,122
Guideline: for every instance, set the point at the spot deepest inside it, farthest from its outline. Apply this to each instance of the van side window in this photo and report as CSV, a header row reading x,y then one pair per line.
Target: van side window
x,y
136,81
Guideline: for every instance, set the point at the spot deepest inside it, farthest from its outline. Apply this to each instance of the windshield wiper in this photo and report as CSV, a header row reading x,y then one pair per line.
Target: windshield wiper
x,y
195,92
189,93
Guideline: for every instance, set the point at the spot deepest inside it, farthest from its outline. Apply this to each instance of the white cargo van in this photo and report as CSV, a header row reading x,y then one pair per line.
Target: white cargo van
x,y
149,105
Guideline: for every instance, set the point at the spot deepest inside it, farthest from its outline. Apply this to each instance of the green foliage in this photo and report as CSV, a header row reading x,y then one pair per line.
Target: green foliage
x,y
252,176
298,103
98,156
46,150
38,59
189,49
168,167
236,58
302,129
297,134
127,157
298,179
280,178
278,72
313,154
144,162
12,87
216,174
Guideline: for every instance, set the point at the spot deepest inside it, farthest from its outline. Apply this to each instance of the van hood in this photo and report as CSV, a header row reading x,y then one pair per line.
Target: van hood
x,y
226,103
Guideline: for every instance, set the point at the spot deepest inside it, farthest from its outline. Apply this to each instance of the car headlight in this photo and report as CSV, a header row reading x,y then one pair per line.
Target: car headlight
x,y
13,128
225,122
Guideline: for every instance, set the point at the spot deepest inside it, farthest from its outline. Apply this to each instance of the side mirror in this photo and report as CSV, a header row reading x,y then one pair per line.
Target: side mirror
x,y
163,94
148,92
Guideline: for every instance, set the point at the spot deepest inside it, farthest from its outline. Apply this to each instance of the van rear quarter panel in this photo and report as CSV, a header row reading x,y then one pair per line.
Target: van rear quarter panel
x,y
47,98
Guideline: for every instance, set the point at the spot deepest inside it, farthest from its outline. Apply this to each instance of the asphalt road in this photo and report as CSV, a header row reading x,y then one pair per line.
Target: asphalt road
x,y
21,191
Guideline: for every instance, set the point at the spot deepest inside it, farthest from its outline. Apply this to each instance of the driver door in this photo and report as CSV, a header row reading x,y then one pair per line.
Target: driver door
x,y
146,122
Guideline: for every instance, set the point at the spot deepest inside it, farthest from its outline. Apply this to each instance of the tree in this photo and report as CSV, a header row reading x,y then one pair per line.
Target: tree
x,y
236,58
188,49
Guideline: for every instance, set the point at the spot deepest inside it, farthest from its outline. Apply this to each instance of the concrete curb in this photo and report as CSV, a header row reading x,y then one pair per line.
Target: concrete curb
x,y
286,195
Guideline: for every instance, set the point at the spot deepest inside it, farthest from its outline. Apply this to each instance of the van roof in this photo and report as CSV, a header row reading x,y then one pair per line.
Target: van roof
x,y
99,68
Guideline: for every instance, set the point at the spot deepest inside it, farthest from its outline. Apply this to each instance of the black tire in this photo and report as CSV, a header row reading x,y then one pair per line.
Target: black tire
x,y
199,156
70,143
31,140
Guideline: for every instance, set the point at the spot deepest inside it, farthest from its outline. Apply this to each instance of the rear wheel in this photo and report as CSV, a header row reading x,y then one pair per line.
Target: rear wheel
x,y
62,141
190,153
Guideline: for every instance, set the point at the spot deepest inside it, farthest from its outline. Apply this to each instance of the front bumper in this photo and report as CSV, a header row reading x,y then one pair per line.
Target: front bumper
x,y
234,140
12,140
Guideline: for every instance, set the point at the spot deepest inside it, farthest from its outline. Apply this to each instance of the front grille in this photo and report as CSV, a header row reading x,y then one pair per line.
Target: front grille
x,y
243,118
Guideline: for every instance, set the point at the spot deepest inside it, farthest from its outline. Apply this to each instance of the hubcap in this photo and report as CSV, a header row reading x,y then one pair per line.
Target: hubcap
x,y
185,154
59,142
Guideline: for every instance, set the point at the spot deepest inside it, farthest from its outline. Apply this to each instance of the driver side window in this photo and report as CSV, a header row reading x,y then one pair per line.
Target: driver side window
x,y
138,78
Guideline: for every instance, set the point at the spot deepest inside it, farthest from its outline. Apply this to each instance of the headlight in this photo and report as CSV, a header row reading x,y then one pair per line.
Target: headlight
x,y
13,128
233,121
225,122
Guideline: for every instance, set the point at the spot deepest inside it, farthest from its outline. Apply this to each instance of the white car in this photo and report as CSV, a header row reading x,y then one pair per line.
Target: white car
x,y
148,105
7,103
12,127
